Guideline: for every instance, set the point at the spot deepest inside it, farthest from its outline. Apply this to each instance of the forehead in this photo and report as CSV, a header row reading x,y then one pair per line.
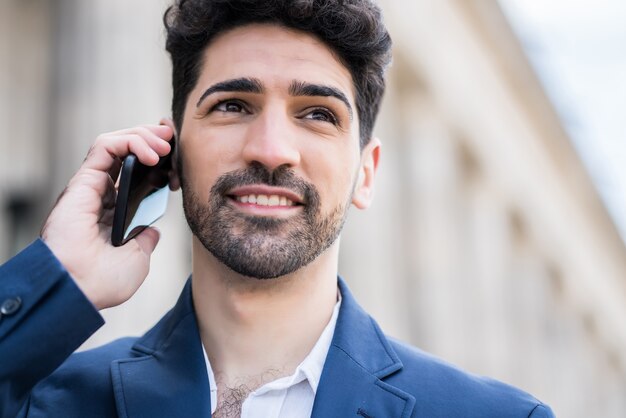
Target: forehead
x,y
276,55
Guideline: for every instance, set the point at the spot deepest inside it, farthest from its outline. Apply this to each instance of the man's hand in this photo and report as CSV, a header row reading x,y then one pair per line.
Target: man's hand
x,y
78,230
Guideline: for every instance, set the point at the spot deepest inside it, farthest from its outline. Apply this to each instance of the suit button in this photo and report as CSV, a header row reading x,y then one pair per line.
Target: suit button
x,y
10,306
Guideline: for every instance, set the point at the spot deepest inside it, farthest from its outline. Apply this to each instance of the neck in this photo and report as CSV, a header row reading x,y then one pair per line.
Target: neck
x,y
252,328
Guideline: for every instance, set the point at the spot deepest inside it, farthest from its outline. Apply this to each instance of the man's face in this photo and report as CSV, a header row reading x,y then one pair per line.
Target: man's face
x,y
270,150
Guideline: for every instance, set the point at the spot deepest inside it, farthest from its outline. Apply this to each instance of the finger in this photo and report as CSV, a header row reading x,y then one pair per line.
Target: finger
x,y
156,137
148,240
107,149
157,143
110,195
163,131
167,121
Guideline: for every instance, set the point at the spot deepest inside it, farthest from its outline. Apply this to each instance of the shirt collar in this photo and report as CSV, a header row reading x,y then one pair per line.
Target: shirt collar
x,y
310,369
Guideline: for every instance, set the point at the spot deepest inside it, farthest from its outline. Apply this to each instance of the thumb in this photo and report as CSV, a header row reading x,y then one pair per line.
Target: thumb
x,y
148,240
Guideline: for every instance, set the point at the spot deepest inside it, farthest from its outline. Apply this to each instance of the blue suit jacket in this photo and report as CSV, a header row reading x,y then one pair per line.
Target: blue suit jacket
x,y
163,373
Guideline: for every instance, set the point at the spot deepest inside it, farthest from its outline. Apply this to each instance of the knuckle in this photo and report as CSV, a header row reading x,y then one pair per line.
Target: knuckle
x,y
92,151
100,139
86,177
143,132
136,139
98,145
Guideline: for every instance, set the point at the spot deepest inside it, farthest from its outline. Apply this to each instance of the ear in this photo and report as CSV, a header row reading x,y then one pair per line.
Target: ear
x,y
364,188
174,179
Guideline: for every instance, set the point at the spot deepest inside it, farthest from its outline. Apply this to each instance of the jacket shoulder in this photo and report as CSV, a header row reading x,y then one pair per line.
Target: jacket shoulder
x,y
442,389
82,385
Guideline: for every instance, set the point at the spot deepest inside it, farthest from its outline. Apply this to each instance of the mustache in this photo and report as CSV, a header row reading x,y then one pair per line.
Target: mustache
x,y
257,173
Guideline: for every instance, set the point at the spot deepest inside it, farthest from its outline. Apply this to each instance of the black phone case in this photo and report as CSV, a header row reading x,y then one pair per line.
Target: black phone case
x,y
137,181
121,202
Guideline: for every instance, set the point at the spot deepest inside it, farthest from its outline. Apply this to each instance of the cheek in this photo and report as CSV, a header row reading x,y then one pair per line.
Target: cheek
x,y
333,175
344,183
207,156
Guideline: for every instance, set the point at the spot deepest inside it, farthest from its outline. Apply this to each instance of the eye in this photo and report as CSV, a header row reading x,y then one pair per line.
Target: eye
x,y
229,106
321,114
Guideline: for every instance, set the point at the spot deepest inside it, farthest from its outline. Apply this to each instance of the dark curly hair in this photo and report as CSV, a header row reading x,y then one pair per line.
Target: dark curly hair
x,y
353,29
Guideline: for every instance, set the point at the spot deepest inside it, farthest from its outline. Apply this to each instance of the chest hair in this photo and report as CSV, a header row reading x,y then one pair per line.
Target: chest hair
x,y
230,400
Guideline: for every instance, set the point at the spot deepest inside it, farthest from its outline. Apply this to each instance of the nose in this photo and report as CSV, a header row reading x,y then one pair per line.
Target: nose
x,y
271,141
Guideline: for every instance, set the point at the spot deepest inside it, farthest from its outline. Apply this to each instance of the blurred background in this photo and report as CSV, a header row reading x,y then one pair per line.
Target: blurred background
x,y
494,238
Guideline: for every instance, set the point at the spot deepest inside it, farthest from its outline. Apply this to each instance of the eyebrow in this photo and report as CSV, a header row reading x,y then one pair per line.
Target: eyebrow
x,y
301,88
242,85
296,88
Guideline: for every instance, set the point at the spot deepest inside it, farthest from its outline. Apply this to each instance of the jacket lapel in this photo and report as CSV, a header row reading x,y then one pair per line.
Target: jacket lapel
x,y
168,376
358,360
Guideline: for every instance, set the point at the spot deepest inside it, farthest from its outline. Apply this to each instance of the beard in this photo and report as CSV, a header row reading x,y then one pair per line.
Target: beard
x,y
256,246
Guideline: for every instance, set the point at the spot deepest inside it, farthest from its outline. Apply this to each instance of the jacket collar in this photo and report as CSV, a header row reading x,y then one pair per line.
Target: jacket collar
x,y
167,376
358,359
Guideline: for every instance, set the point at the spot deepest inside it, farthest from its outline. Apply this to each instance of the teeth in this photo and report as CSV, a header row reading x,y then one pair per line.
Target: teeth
x,y
273,200
265,200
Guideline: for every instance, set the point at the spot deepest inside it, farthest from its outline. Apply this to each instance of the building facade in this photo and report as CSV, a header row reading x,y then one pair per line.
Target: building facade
x,y
487,243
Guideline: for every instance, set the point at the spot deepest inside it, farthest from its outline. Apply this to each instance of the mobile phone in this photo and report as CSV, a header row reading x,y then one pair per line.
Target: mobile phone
x,y
142,197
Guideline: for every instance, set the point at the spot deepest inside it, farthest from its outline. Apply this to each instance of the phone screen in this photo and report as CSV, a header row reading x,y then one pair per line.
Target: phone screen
x,y
142,197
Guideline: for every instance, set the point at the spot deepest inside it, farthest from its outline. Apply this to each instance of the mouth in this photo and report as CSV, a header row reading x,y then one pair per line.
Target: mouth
x,y
265,200
262,200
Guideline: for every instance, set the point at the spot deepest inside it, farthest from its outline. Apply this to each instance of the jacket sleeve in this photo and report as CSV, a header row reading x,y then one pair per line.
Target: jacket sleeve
x,y
44,317
541,411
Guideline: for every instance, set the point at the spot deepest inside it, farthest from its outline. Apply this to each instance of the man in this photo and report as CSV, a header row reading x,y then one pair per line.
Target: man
x,y
273,109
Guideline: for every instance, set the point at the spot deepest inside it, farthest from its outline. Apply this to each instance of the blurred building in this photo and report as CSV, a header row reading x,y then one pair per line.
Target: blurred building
x,y
487,243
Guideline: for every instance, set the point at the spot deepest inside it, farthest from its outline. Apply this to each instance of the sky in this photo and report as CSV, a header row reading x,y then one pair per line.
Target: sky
x,y
578,49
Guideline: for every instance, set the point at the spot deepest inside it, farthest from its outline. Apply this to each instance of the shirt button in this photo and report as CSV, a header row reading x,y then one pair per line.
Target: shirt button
x,y
10,306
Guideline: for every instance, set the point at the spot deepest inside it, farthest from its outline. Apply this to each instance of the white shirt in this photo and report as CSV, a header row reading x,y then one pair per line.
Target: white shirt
x,y
290,396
